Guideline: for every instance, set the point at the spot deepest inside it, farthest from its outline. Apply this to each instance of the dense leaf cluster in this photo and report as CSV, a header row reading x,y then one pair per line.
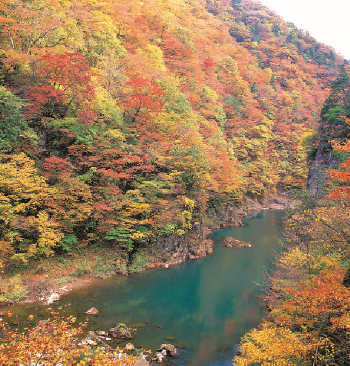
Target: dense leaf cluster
x,y
121,121
309,292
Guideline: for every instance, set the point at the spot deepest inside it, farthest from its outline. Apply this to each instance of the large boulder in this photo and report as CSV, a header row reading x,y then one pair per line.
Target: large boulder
x,y
120,331
90,339
169,348
92,335
230,242
165,351
92,311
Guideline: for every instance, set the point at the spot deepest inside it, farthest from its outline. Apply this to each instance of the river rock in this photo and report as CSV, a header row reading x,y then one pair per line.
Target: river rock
x,y
101,333
206,231
90,339
209,244
165,351
85,341
168,350
142,360
129,347
92,311
120,331
159,357
230,242
52,298
92,335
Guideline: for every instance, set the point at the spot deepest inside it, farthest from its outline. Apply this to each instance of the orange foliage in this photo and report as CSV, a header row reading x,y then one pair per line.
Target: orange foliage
x,y
51,342
135,103
341,177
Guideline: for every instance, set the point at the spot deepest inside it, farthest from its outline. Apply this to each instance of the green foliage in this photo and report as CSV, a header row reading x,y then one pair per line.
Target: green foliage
x,y
12,122
121,235
175,100
139,263
12,289
68,242
83,134
334,112
168,229
64,280
254,88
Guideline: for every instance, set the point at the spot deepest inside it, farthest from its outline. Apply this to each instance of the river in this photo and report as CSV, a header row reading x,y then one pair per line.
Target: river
x,y
204,305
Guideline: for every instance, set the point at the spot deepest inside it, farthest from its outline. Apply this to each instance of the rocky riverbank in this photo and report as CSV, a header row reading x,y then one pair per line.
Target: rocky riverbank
x,y
46,285
221,215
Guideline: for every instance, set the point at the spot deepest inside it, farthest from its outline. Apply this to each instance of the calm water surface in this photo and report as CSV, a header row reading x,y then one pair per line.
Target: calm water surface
x,y
206,304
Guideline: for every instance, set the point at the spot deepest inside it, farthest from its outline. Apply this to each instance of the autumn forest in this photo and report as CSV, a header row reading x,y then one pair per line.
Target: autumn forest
x,y
128,125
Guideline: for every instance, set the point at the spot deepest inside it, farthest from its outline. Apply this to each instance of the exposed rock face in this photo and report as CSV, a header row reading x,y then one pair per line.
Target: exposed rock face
x,y
318,171
120,331
177,249
234,243
218,215
205,248
231,215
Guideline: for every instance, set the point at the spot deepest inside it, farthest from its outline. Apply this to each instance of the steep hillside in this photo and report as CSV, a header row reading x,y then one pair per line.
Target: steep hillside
x,y
310,290
122,121
326,145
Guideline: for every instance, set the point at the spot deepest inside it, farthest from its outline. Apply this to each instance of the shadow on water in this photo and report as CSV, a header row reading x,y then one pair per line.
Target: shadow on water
x,y
204,306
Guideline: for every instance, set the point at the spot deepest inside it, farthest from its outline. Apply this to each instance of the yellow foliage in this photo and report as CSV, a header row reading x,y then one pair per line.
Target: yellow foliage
x,y
11,288
210,94
294,258
23,195
24,188
273,346
138,236
115,135
189,203
49,235
155,54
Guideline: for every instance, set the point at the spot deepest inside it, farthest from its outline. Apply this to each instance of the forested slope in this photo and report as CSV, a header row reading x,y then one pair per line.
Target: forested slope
x,y
122,121
309,292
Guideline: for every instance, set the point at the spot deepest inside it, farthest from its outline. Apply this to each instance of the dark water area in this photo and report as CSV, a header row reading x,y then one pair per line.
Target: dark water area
x,y
206,305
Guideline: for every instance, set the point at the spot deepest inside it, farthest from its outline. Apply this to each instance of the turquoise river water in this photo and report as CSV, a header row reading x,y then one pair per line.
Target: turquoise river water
x,y
206,305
